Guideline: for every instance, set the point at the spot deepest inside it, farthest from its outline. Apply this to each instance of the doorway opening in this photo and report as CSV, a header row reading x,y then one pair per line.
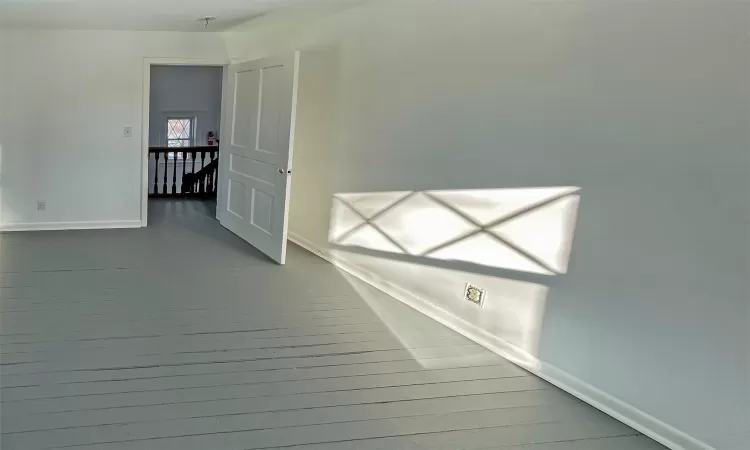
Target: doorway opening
x,y
184,123
190,107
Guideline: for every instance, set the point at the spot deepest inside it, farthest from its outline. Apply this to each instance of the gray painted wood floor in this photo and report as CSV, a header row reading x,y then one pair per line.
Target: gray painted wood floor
x,y
181,336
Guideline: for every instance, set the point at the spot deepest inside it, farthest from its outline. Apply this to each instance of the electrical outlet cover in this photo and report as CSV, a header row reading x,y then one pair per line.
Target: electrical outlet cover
x,y
475,294
41,205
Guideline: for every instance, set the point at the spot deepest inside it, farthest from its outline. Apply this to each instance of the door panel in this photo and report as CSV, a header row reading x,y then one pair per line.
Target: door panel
x,y
272,117
256,160
245,120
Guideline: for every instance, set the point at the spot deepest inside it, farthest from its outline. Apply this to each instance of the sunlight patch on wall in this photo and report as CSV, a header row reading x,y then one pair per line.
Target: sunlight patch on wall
x,y
523,229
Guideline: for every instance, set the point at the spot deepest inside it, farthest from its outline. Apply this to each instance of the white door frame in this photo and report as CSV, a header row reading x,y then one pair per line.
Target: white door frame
x,y
147,63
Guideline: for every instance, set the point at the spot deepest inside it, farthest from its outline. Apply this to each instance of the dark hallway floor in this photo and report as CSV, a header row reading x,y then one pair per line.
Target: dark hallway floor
x,y
182,336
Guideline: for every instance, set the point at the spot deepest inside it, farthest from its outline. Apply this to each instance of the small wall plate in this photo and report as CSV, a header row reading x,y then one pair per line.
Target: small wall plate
x,y
474,294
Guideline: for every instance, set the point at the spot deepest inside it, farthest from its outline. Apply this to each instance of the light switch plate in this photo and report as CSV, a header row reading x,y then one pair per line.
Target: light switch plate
x,y
128,132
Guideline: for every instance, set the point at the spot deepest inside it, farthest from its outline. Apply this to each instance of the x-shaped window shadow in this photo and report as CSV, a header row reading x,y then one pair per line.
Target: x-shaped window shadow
x,y
527,229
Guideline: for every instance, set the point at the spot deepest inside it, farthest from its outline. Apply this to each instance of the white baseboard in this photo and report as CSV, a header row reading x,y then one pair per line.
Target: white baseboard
x,y
616,408
620,410
51,226
307,245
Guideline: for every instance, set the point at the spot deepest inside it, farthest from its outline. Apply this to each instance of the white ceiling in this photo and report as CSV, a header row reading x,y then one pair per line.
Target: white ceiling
x,y
166,15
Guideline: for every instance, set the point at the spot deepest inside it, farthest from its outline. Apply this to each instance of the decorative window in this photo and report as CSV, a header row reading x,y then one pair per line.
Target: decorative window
x,y
180,133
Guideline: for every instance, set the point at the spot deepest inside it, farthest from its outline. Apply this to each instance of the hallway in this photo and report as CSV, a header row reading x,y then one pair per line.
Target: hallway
x,y
182,336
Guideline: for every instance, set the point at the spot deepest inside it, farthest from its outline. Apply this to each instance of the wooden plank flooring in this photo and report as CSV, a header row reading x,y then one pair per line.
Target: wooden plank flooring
x,y
181,336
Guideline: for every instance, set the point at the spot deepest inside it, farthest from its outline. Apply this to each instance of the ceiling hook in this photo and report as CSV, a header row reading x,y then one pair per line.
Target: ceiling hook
x,y
207,20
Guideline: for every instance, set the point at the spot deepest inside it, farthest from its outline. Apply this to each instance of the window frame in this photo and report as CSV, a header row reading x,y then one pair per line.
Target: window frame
x,y
190,141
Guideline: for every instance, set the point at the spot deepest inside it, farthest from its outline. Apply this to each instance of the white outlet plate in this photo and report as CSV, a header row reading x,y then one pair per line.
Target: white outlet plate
x,y
41,205
128,132
474,294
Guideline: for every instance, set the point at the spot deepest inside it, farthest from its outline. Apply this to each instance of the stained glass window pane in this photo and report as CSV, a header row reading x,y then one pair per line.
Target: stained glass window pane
x,y
180,134
179,128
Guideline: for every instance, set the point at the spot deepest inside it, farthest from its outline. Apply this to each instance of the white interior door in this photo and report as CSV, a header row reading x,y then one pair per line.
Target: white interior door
x,y
255,158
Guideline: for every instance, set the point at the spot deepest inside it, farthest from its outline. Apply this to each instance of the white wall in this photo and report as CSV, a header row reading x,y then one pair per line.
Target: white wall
x,y
67,95
188,91
643,105
5,47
